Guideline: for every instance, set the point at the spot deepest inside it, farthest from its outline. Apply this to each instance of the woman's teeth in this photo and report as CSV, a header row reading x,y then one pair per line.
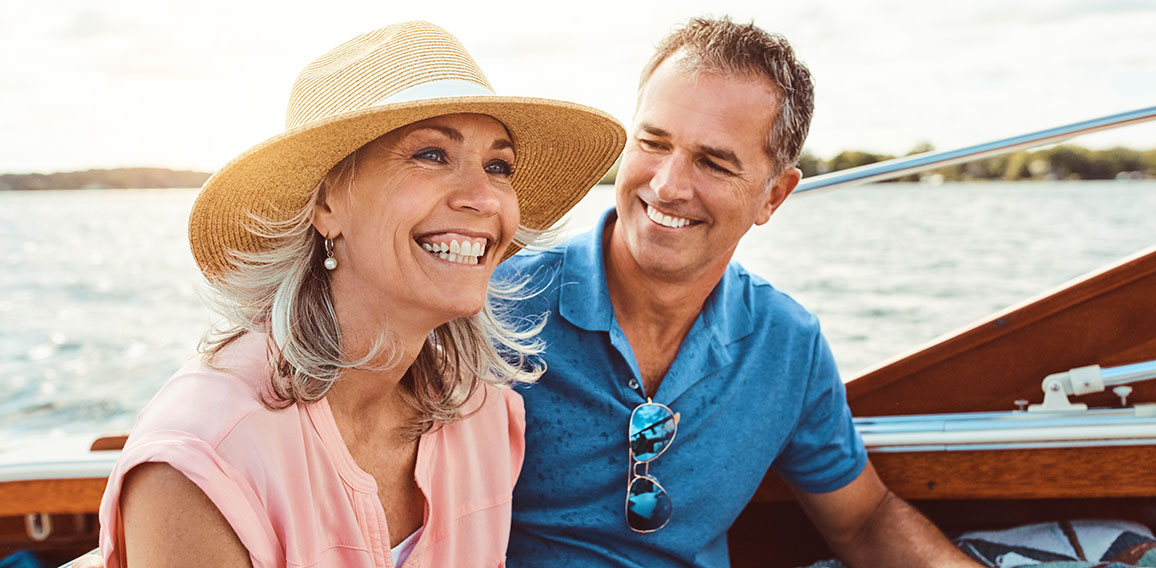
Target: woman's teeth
x,y
463,252
666,220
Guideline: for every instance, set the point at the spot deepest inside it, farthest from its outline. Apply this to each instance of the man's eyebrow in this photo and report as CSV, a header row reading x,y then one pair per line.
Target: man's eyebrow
x,y
722,154
653,130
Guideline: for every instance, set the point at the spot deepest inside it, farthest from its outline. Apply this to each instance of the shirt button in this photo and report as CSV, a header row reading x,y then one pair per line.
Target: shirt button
x,y
633,384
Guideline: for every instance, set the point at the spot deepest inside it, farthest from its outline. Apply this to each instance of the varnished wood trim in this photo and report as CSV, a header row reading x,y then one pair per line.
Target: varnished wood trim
x,y
51,496
1007,474
104,443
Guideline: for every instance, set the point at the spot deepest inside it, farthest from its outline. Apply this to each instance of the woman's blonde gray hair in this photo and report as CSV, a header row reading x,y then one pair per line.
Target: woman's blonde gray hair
x,y
285,291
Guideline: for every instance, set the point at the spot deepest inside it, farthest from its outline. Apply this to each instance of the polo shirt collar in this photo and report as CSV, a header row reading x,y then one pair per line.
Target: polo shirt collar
x,y
587,307
727,312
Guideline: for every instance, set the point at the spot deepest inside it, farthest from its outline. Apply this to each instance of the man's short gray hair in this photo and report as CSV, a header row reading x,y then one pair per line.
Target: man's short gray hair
x,y
724,47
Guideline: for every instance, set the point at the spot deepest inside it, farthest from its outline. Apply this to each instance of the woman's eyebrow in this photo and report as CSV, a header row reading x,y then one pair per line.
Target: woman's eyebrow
x,y
456,135
451,133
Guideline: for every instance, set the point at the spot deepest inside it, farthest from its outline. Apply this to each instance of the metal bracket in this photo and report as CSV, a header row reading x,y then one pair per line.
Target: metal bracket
x,y
1057,387
38,526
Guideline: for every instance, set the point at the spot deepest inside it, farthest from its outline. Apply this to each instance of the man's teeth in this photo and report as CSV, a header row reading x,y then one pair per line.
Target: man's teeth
x,y
464,252
666,220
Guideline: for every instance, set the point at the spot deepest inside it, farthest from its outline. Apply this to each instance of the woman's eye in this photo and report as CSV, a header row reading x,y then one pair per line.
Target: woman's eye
x,y
500,167
431,155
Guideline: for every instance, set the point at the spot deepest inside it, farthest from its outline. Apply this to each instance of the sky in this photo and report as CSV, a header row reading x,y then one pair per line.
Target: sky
x,y
189,85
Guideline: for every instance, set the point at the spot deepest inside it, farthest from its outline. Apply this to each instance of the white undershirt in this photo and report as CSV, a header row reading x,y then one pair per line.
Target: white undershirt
x,y
403,548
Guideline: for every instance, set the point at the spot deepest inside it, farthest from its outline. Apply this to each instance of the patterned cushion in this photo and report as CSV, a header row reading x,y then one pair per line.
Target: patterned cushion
x,y
1062,544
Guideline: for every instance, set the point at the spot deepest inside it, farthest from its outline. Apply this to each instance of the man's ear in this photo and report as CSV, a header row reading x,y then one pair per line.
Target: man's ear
x,y
783,185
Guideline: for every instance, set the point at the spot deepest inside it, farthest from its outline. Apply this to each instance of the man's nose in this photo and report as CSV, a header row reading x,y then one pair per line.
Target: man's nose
x,y
671,181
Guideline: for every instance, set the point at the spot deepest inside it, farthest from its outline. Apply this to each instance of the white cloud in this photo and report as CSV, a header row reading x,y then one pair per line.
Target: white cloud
x,y
190,84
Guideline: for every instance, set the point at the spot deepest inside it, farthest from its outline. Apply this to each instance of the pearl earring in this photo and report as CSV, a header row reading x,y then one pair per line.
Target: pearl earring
x,y
330,262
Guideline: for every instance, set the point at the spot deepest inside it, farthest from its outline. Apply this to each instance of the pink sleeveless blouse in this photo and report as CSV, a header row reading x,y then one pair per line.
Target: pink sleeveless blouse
x,y
291,491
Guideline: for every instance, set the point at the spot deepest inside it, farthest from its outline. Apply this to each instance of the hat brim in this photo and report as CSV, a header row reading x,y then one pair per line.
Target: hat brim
x,y
563,149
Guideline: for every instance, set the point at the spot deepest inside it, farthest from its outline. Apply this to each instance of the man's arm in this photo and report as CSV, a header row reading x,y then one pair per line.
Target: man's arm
x,y
866,525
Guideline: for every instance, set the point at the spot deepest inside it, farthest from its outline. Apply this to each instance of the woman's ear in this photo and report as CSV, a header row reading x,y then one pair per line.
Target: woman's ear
x,y
332,203
325,218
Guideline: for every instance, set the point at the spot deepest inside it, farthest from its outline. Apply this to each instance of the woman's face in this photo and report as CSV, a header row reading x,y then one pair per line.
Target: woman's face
x,y
421,224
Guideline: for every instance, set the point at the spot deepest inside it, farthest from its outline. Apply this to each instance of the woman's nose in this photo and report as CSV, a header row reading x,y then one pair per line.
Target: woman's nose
x,y
475,191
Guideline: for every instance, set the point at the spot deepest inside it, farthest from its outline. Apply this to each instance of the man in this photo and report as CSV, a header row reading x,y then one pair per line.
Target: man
x,y
648,307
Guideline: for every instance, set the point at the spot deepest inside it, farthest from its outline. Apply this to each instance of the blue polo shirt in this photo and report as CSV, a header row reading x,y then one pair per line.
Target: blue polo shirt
x,y
754,382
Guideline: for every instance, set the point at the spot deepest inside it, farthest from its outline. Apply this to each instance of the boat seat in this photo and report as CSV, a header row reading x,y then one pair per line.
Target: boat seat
x,y
1066,544
106,443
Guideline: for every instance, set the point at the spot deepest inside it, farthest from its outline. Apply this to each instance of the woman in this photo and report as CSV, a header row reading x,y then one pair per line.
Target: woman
x,y
351,412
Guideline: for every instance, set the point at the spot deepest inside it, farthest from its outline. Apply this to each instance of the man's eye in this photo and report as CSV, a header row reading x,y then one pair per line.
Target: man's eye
x,y
500,167
713,166
431,155
649,144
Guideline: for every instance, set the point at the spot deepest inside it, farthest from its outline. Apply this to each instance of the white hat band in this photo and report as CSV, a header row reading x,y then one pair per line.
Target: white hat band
x,y
436,90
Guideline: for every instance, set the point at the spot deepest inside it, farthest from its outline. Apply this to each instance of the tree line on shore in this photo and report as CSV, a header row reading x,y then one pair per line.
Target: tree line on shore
x,y
119,178
1063,162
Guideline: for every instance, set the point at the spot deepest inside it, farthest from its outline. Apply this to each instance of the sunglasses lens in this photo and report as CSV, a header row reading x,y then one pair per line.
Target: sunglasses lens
x,y
648,507
652,428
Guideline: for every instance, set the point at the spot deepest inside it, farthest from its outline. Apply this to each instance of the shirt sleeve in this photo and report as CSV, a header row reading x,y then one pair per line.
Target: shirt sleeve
x,y
516,411
824,452
220,481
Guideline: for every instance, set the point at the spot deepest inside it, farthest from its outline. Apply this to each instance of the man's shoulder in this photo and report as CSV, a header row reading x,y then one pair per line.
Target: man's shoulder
x,y
533,259
537,268
766,303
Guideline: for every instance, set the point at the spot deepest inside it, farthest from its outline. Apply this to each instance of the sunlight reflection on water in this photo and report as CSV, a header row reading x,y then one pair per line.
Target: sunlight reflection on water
x,y
99,299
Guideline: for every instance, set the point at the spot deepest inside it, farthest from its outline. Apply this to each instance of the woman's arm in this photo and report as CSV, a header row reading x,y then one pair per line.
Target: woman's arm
x,y
169,522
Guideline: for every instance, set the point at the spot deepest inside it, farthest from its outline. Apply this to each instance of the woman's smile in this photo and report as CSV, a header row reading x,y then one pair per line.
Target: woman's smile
x,y
456,247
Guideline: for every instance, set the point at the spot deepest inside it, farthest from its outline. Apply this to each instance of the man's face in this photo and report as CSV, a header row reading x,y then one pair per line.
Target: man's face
x,y
695,173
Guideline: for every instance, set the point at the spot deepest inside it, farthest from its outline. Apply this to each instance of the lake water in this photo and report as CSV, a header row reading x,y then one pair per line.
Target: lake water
x,y
99,295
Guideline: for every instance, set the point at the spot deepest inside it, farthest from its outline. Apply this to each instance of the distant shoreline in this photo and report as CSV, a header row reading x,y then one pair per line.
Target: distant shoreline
x,y
117,178
1062,162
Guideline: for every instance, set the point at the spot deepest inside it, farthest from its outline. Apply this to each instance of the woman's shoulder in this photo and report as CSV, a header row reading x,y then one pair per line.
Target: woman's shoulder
x,y
492,428
495,404
208,398
205,423
474,462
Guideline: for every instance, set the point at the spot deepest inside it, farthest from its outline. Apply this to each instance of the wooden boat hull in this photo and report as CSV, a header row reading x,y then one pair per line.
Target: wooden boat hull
x,y
48,502
1106,318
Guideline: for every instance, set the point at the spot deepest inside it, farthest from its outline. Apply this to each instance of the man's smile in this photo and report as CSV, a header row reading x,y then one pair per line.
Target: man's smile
x,y
672,221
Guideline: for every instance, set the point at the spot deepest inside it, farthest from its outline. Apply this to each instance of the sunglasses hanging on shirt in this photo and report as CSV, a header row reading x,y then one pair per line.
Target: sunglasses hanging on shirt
x,y
651,430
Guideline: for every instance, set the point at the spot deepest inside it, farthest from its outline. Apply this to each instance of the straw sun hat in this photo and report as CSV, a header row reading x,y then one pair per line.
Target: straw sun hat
x,y
375,83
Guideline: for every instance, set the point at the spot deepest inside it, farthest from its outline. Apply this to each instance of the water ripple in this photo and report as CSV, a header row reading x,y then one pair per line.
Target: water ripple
x,y
101,302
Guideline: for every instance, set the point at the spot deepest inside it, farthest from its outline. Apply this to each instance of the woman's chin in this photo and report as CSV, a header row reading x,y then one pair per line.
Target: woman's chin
x,y
466,310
